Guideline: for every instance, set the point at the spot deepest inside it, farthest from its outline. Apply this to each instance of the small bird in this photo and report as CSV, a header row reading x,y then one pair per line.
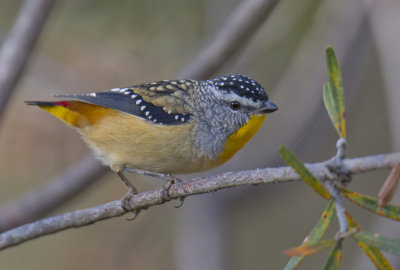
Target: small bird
x,y
167,127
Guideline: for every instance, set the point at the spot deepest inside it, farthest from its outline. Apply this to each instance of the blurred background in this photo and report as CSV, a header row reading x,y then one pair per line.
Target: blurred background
x,y
89,45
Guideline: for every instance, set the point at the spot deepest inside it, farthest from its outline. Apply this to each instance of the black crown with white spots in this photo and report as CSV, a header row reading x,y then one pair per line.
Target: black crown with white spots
x,y
241,85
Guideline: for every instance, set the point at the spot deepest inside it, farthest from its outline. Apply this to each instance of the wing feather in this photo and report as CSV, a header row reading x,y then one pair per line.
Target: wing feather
x,y
160,102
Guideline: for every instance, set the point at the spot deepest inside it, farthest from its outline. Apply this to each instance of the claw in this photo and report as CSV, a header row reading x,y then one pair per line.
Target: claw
x,y
127,206
165,196
181,201
135,214
165,191
172,180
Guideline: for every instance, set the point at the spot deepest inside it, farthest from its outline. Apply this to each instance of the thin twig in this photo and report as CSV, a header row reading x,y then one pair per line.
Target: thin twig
x,y
233,35
196,186
18,45
389,187
341,176
340,210
341,148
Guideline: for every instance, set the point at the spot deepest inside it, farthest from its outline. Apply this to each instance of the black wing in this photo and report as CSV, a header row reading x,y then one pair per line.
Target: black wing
x,y
160,102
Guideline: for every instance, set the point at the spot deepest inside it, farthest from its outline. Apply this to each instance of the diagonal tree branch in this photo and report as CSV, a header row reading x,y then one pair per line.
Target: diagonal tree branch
x,y
38,202
18,45
196,186
236,32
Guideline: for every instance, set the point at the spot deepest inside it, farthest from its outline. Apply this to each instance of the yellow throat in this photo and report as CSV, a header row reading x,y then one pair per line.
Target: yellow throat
x,y
237,140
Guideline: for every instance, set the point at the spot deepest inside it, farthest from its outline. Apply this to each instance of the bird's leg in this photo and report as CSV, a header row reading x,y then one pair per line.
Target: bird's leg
x,y
125,201
170,180
165,177
131,188
127,197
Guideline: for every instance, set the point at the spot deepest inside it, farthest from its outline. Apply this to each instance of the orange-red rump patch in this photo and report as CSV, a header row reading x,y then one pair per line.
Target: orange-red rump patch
x,y
75,113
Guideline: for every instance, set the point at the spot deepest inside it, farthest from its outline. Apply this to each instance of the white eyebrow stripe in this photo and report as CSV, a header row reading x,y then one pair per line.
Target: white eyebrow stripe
x,y
232,96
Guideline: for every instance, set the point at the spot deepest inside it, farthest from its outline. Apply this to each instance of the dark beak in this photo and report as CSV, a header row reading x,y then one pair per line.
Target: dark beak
x,y
268,107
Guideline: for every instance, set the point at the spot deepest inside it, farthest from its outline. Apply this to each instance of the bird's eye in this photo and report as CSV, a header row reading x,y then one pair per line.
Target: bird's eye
x,y
235,105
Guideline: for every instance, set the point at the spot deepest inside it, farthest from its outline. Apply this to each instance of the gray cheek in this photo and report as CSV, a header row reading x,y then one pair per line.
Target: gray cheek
x,y
213,126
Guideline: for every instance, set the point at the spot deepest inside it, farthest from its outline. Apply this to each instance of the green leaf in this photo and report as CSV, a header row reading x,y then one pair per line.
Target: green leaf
x,y
376,240
334,93
304,173
294,262
322,225
373,253
315,235
372,204
334,258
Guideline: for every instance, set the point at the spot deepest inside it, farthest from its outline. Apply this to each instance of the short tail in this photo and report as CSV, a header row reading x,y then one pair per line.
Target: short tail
x,y
61,110
72,112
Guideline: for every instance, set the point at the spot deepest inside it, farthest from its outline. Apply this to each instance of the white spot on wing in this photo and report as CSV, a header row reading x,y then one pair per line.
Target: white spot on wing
x,y
138,101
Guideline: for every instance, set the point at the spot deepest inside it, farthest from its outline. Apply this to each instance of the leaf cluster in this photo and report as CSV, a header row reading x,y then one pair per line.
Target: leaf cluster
x,y
371,243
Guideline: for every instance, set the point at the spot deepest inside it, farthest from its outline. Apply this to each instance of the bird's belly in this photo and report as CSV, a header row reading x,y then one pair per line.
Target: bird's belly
x,y
146,146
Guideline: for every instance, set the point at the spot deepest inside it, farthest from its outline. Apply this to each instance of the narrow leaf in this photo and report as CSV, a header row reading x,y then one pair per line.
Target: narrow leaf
x,y
374,254
294,262
308,249
322,225
371,204
334,93
388,188
304,173
334,258
376,240
315,235
329,100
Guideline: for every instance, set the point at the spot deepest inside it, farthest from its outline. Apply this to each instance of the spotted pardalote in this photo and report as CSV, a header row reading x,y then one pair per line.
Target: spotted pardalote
x,y
167,127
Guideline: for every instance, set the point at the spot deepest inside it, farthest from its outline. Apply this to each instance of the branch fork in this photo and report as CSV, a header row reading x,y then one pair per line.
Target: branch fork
x,y
339,176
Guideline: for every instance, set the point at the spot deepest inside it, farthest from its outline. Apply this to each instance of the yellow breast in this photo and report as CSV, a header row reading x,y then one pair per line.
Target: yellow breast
x,y
237,140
